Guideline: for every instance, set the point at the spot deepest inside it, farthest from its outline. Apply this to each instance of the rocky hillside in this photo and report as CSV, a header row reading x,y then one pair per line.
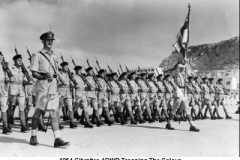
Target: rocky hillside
x,y
223,55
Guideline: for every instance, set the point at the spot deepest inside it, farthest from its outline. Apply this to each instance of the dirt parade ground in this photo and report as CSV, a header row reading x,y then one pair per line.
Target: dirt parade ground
x,y
216,138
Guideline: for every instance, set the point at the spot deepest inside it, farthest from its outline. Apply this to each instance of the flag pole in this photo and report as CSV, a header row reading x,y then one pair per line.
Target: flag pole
x,y
186,52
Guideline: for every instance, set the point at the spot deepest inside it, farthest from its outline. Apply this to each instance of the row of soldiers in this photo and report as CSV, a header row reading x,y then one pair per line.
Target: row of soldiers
x,y
146,98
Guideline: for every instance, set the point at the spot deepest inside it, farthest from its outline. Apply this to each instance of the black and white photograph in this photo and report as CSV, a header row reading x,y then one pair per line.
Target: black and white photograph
x,y
119,79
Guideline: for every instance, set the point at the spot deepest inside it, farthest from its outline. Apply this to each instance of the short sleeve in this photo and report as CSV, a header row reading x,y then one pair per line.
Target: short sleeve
x,y
34,63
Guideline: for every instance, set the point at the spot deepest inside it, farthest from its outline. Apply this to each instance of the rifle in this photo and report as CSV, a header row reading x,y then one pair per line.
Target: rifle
x,y
116,81
83,77
69,73
24,70
118,72
5,67
95,77
134,79
146,82
30,56
121,68
105,77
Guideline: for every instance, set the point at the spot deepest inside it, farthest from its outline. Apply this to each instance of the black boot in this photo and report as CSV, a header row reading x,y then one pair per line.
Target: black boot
x,y
33,141
72,125
150,120
99,122
87,123
24,128
168,126
41,128
82,118
121,118
107,117
60,143
194,129
131,116
93,121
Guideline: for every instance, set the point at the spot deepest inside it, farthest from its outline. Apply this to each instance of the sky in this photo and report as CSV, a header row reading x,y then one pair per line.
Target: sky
x,y
129,32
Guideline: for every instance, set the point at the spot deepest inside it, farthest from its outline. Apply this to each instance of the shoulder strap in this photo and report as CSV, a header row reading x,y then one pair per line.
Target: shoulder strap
x,y
48,61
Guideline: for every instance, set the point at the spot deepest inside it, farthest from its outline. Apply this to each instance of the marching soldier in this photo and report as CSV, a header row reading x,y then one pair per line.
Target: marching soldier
x,y
115,99
103,97
135,99
4,83
154,100
66,93
197,97
92,97
144,97
80,97
125,97
17,90
161,97
168,95
180,98
213,98
44,67
207,98
220,97
190,93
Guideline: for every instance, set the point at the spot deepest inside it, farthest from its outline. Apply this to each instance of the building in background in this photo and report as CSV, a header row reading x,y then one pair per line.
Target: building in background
x,y
150,70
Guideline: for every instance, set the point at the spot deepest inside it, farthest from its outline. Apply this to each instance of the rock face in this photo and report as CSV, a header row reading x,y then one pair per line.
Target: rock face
x,y
223,55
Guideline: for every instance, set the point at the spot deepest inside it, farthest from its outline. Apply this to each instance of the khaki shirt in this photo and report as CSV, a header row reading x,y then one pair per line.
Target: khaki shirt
x,y
65,90
134,86
81,85
40,64
3,86
153,86
143,85
115,87
219,89
124,85
16,82
103,84
205,91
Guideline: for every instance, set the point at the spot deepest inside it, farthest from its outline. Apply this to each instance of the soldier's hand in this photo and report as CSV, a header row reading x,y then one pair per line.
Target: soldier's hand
x,y
7,80
48,76
30,82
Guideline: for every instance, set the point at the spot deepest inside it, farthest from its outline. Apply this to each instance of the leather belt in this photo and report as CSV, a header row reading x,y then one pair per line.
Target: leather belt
x,y
19,83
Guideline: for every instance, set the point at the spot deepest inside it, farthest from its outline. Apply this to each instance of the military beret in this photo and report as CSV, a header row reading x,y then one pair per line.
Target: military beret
x,y
123,74
47,35
137,78
132,73
195,78
114,74
160,75
17,56
77,68
150,75
101,71
210,79
204,78
109,75
220,79
89,69
64,64
142,74
190,77
166,76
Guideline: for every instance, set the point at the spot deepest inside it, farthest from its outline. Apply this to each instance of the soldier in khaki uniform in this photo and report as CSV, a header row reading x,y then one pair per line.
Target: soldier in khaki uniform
x,y
180,97
4,85
135,99
80,97
17,90
168,94
103,97
44,67
161,97
220,97
190,93
198,97
125,97
154,99
144,98
207,98
66,93
116,105
92,96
